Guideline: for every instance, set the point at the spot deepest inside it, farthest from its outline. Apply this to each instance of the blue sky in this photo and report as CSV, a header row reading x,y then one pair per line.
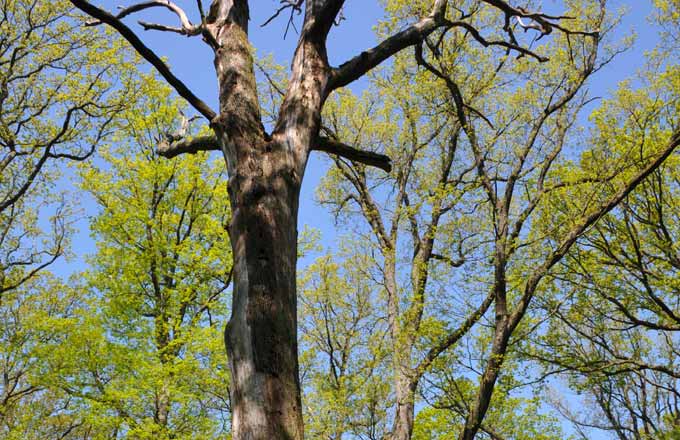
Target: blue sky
x,y
191,60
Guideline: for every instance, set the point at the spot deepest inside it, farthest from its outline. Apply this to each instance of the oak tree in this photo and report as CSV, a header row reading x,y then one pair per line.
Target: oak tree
x,y
480,159
266,169
612,302
146,357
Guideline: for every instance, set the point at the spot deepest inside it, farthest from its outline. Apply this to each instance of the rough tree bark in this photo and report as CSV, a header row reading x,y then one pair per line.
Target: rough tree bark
x,y
265,175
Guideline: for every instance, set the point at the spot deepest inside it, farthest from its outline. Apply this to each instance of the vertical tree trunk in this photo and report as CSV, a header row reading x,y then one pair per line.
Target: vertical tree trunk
x,y
163,408
264,186
261,335
402,427
405,395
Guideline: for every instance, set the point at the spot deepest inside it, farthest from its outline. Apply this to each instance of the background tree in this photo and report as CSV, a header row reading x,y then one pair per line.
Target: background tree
x,y
34,318
145,356
266,171
613,327
60,95
517,180
344,362
496,146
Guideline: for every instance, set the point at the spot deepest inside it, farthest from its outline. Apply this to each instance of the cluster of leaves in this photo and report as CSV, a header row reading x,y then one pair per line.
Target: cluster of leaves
x,y
61,94
148,356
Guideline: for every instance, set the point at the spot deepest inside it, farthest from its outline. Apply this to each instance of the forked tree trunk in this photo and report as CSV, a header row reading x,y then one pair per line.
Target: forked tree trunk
x,y
265,175
264,186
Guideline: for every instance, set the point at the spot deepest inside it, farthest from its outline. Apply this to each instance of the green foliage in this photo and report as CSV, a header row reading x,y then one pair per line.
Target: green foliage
x,y
61,87
343,359
134,348
613,306
36,319
509,418
148,356
61,94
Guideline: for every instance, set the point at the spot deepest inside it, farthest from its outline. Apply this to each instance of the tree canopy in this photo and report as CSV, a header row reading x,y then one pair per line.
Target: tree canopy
x,y
503,262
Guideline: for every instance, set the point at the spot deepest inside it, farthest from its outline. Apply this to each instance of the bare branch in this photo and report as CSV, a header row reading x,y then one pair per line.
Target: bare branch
x,y
486,43
191,146
187,27
365,157
295,7
161,27
540,22
358,66
147,54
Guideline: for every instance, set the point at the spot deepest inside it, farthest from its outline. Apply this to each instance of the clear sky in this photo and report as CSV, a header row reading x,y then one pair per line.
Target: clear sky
x,y
191,60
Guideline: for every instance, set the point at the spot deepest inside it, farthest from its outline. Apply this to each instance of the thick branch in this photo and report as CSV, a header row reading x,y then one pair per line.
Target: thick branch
x,y
190,146
147,54
448,260
320,16
366,157
364,62
210,143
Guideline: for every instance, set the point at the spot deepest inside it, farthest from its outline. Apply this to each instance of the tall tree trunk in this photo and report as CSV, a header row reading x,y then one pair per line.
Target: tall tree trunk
x,y
264,187
265,178
405,395
402,344
261,335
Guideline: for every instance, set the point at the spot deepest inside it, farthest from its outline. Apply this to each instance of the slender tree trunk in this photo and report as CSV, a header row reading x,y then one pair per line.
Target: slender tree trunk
x,y
407,375
402,427
162,335
502,329
163,407
487,384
